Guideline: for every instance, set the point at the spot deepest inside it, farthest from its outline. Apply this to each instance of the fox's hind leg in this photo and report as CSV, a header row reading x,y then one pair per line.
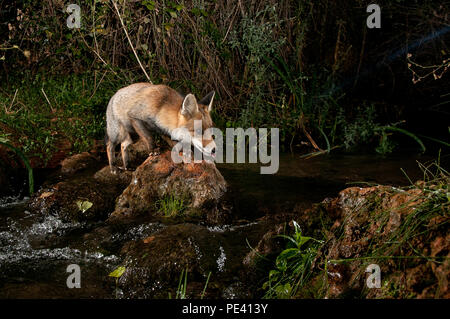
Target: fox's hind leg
x,y
143,133
123,147
110,150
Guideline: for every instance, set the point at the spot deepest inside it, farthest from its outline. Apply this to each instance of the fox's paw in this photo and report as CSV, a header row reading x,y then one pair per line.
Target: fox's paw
x,y
114,170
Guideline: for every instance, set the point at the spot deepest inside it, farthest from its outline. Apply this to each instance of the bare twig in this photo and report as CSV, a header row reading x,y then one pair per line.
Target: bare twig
x,y
313,143
231,24
436,70
94,28
129,41
45,95
8,110
97,54
96,86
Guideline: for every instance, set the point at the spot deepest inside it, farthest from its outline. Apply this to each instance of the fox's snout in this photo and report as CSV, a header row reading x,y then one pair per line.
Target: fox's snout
x,y
209,146
203,142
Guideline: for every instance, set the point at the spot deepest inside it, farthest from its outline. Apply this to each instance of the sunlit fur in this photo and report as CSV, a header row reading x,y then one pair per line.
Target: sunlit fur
x,y
143,107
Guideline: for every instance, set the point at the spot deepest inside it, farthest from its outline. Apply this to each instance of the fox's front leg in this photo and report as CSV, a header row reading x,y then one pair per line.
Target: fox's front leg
x,y
187,157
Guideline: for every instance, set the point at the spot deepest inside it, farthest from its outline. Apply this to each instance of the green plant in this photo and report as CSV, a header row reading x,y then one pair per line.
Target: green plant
x,y
170,206
255,41
364,128
389,147
386,146
182,286
292,265
361,129
117,273
50,112
206,285
83,206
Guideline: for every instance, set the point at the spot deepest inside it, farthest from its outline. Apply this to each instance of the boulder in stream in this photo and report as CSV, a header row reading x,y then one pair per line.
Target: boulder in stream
x,y
78,162
402,230
154,264
198,189
79,194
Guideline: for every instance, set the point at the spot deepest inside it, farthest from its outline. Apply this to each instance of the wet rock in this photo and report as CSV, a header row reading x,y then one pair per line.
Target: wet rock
x,y
269,245
199,186
237,290
62,200
5,187
111,237
122,179
81,198
154,264
373,225
79,194
78,162
367,218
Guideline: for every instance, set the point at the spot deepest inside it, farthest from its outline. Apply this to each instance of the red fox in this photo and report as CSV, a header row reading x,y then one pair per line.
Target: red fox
x,y
143,107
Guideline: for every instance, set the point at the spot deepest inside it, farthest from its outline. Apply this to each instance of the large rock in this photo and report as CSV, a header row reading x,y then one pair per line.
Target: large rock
x,y
77,200
80,182
387,221
199,186
79,195
4,183
78,162
404,231
154,264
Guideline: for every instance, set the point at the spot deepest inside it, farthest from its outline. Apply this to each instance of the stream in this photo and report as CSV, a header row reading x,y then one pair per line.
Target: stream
x,y
35,250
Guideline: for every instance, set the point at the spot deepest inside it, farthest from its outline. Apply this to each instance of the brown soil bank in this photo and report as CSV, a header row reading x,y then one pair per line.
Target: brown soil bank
x,y
403,231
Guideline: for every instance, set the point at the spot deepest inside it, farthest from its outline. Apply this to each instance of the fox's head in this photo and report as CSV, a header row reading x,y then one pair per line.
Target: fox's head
x,y
195,120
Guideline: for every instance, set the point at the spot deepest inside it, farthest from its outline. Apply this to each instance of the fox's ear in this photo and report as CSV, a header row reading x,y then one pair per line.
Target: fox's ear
x,y
189,106
208,100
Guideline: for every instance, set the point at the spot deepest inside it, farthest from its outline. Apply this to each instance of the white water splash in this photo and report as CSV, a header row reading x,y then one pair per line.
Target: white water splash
x,y
224,228
221,260
11,201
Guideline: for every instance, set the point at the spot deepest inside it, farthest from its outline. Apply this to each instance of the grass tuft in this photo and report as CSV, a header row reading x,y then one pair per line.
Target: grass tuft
x,y
170,206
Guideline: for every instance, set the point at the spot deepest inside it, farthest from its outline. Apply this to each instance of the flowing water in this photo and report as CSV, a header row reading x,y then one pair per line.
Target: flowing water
x,y
35,250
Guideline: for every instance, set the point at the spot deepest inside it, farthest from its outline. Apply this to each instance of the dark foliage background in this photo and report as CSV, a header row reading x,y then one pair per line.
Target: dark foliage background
x,y
312,68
